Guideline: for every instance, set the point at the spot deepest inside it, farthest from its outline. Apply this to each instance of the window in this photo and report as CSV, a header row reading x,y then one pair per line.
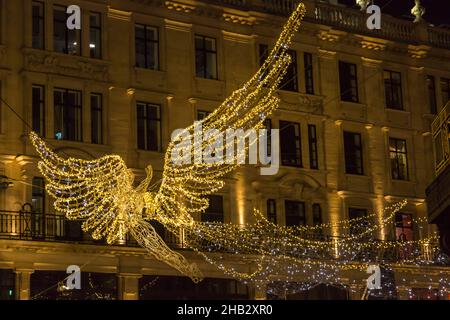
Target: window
x,y
205,57
355,213
38,195
445,89
431,85
214,213
149,126
68,114
65,40
96,118
290,80
399,159
313,152
404,227
309,75
290,141
268,128
353,153
38,28
38,109
95,35
147,47
393,89
263,53
272,211
202,114
7,282
295,213
348,80
317,214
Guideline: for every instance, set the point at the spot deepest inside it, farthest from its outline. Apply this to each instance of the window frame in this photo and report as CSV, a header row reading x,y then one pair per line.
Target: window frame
x,y
204,53
445,82
67,32
41,19
313,147
397,152
431,88
345,91
78,128
272,214
145,40
301,216
358,149
217,216
146,120
299,153
99,30
99,110
309,72
391,87
294,77
41,102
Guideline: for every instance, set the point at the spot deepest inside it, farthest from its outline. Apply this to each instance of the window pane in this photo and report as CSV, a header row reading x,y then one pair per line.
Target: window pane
x,y
38,25
96,119
215,212
38,109
353,153
205,57
348,82
95,34
431,84
295,213
68,114
290,144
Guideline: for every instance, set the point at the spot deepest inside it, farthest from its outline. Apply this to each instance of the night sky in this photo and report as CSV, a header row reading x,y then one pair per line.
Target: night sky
x,y
437,11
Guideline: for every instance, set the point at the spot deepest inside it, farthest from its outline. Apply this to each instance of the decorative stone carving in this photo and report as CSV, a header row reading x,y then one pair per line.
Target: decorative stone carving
x,y
233,18
180,7
66,65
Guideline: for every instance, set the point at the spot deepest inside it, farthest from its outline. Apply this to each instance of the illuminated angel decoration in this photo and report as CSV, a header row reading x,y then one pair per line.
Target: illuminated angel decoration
x,y
102,192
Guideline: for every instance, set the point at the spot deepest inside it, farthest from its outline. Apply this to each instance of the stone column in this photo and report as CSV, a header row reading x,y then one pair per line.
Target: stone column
x,y
129,286
23,283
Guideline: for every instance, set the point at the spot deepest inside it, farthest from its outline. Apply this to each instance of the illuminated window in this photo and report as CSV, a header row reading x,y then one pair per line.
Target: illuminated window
x,y
399,159
95,35
404,230
65,40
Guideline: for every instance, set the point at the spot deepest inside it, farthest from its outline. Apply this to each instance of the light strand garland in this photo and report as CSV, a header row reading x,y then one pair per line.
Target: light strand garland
x,y
101,193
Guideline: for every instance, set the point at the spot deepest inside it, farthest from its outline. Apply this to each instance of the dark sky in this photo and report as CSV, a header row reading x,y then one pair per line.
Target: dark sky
x,y
437,11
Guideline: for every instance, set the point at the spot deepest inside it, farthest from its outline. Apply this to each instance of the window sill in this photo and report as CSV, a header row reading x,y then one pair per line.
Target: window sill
x,y
352,104
401,111
150,153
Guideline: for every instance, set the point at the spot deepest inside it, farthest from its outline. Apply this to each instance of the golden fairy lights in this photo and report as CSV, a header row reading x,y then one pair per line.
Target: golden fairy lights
x,y
101,193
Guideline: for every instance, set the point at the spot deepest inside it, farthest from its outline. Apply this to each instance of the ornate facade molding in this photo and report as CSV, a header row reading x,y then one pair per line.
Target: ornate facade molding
x,y
66,65
180,7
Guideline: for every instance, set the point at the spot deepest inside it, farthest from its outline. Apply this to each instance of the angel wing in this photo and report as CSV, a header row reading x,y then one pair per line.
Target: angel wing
x,y
101,192
183,188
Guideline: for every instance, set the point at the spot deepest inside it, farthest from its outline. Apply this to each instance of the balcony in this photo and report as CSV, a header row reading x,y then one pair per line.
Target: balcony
x,y
32,226
438,193
348,19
